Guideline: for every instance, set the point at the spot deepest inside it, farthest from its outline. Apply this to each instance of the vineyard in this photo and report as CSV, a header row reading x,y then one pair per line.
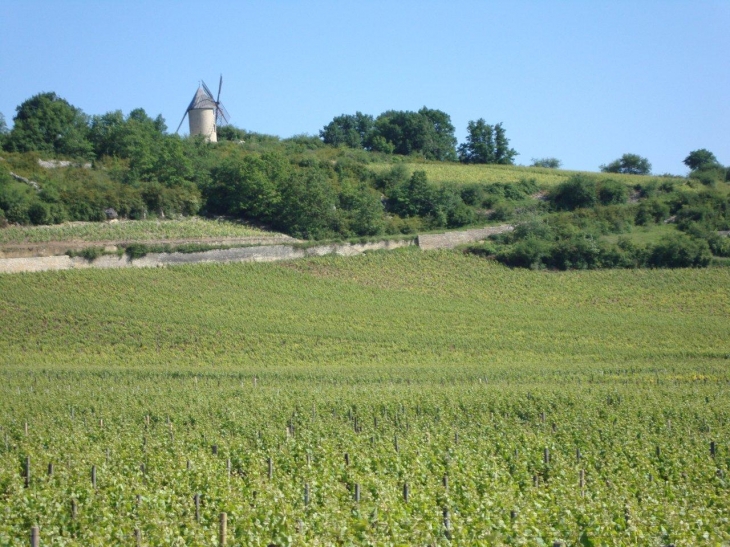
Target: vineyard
x,y
137,230
444,172
401,398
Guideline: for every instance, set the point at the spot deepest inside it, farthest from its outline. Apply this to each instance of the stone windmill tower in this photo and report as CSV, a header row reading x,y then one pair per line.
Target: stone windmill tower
x,y
205,113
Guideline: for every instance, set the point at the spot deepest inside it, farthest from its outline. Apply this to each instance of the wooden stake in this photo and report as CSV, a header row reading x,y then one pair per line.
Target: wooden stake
x,y
50,469
271,468
27,471
138,537
357,492
35,537
196,499
74,509
405,492
306,494
93,477
222,530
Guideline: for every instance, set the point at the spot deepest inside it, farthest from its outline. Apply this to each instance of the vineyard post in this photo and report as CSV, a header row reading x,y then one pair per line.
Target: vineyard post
x,y
93,477
35,537
405,492
713,448
447,523
214,449
196,499
577,454
27,471
26,428
74,509
222,530
270,462
50,469
582,481
347,459
357,492
445,482
138,537
306,494
546,456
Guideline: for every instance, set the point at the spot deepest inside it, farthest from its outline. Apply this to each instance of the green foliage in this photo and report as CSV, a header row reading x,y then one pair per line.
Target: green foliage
x,y
547,163
651,211
578,191
680,251
427,132
457,358
354,131
48,123
630,164
612,192
701,159
486,144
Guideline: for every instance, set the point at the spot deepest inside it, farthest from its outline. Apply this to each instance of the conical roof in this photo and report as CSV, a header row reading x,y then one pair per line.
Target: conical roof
x,y
202,100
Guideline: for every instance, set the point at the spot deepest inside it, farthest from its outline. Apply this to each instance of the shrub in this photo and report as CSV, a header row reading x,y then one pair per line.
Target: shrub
x,y
612,192
679,251
577,191
651,211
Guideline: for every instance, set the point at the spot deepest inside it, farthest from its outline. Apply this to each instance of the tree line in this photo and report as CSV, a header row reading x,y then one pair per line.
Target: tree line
x,y
427,132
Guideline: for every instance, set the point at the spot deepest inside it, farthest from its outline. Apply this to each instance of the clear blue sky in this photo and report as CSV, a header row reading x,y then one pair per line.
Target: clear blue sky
x,y
583,81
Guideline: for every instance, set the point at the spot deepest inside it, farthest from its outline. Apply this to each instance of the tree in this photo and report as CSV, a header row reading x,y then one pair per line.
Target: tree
x,y
701,159
349,130
479,145
48,123
486,144
503,154
428,132
629,164
548,163
3,125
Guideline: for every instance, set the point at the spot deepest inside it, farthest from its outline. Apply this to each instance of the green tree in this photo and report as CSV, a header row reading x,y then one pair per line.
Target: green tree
x,y
503,154
48,123
428,132
701,159
479,146
548,163
486,144
349,130
630,164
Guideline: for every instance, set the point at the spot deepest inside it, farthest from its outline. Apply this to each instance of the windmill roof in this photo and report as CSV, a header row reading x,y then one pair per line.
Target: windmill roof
x,y
201,100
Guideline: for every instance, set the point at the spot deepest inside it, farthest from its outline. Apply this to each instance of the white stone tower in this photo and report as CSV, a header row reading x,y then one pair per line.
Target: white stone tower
x,y
205,113
201,116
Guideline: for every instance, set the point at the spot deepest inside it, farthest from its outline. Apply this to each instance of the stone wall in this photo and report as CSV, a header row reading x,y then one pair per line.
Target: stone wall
x,y
449,240
262,253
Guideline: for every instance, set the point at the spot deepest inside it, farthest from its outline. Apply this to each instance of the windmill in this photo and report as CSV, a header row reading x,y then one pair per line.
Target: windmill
x,y
205,113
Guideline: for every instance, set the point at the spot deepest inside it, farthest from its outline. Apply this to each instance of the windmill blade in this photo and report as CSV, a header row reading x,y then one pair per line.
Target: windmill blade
x,y
220,84
181,121
223,113
207,90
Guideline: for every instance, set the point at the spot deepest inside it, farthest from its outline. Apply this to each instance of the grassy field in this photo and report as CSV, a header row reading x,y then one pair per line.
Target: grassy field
x,y
366,374
130,230
444,172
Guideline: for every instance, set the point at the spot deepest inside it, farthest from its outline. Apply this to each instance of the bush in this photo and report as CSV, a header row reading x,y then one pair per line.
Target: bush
x,y
651,211
577,191
612,192
679,251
